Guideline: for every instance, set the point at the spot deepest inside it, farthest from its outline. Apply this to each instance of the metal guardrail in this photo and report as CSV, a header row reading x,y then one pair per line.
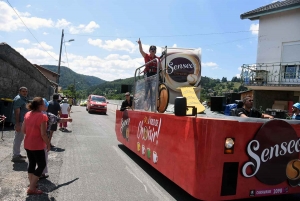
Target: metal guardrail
x,y
118,103
271,74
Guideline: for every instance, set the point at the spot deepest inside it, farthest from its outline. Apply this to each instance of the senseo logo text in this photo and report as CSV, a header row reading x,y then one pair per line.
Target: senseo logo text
x,y
273,154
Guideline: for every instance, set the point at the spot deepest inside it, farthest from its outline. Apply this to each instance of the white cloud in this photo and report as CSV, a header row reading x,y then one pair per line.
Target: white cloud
x,y
117,56
125,57
82,28
36,23
108,68
121,45
209,50
117,44
68,44
28,6
239,46
45,33
9,21
43,45
175,45
62,23
37,56
211,65
24,41
89,28
238,75
112,56
254,28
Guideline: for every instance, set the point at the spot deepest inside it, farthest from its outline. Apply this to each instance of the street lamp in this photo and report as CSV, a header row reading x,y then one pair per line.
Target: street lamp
x,y
59,60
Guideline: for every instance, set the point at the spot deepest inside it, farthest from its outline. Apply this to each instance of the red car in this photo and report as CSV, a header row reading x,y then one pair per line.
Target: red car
x,y
96,103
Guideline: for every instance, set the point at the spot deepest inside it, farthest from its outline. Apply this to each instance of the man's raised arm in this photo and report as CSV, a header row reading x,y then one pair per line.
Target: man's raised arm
x,y
141,48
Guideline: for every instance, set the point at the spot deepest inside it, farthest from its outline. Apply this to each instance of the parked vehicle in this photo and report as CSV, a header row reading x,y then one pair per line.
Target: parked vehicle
x,y
83,103
96,103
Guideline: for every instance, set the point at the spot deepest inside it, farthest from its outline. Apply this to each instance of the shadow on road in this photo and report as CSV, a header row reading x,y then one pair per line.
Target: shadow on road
x,y
61,185
95,113
67,131
173,189
47,186
39,197
20,166
57,149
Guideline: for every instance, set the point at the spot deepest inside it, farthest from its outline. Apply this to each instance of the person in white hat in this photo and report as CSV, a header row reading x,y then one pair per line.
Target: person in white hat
x,y
65,113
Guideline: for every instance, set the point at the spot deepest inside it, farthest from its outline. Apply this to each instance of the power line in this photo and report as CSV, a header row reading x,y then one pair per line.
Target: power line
x,y
29,30
232,41
166,36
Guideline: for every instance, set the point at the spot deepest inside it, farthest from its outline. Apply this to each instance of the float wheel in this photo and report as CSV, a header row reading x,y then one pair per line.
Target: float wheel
x,y
163,98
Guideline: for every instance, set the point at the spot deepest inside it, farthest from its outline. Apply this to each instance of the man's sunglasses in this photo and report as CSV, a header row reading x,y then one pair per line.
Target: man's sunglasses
x,y
153,49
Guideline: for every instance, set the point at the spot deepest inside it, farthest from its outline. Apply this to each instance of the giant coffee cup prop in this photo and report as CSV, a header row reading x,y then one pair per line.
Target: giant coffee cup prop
x,y
183,68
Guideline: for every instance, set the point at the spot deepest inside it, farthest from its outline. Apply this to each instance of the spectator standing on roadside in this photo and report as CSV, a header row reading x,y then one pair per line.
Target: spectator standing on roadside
x,y
19,111
127,103
52,119
34,128
70,102
54,108
65,113
296,111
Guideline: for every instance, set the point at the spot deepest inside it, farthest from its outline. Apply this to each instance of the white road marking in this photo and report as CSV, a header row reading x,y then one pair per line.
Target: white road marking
x,y
128,169
140,176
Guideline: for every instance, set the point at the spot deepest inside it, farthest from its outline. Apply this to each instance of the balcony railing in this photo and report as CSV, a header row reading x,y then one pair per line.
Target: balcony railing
x,y
271,74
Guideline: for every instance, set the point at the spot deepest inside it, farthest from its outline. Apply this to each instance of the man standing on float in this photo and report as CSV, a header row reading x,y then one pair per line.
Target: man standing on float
x,y
150,69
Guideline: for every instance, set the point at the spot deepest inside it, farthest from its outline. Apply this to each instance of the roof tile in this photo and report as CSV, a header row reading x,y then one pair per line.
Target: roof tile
x,y
279,5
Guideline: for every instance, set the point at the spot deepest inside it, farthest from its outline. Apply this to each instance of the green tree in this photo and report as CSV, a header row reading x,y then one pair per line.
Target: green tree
x,y
224,79
234,79
242,88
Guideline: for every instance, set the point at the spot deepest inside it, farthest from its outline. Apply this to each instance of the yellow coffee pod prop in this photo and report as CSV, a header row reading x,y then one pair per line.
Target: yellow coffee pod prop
x,y
191,99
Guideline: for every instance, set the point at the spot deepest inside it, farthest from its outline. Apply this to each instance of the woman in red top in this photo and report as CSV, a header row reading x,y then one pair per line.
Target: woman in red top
x,y
34,128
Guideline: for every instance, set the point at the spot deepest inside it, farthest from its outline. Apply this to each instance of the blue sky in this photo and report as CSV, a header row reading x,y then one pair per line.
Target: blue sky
x,y
105,33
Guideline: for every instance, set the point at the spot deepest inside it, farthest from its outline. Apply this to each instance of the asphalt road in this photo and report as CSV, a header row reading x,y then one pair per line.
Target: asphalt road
x,y
89,163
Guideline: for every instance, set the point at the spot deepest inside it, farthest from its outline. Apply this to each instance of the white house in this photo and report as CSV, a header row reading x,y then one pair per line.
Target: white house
x,y
276,73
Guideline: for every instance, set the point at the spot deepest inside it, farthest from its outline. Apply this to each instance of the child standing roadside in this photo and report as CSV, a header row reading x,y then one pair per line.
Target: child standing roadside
x,y
65,113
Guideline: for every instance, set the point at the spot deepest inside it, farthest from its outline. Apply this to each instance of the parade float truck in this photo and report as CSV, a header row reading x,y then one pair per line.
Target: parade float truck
x,y
212,157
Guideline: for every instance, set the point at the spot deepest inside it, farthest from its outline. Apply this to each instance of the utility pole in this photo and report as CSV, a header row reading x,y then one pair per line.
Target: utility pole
x,y
74,89
58,70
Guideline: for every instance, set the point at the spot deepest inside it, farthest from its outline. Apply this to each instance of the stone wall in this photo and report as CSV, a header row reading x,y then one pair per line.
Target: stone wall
x,y
266,98
16,71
